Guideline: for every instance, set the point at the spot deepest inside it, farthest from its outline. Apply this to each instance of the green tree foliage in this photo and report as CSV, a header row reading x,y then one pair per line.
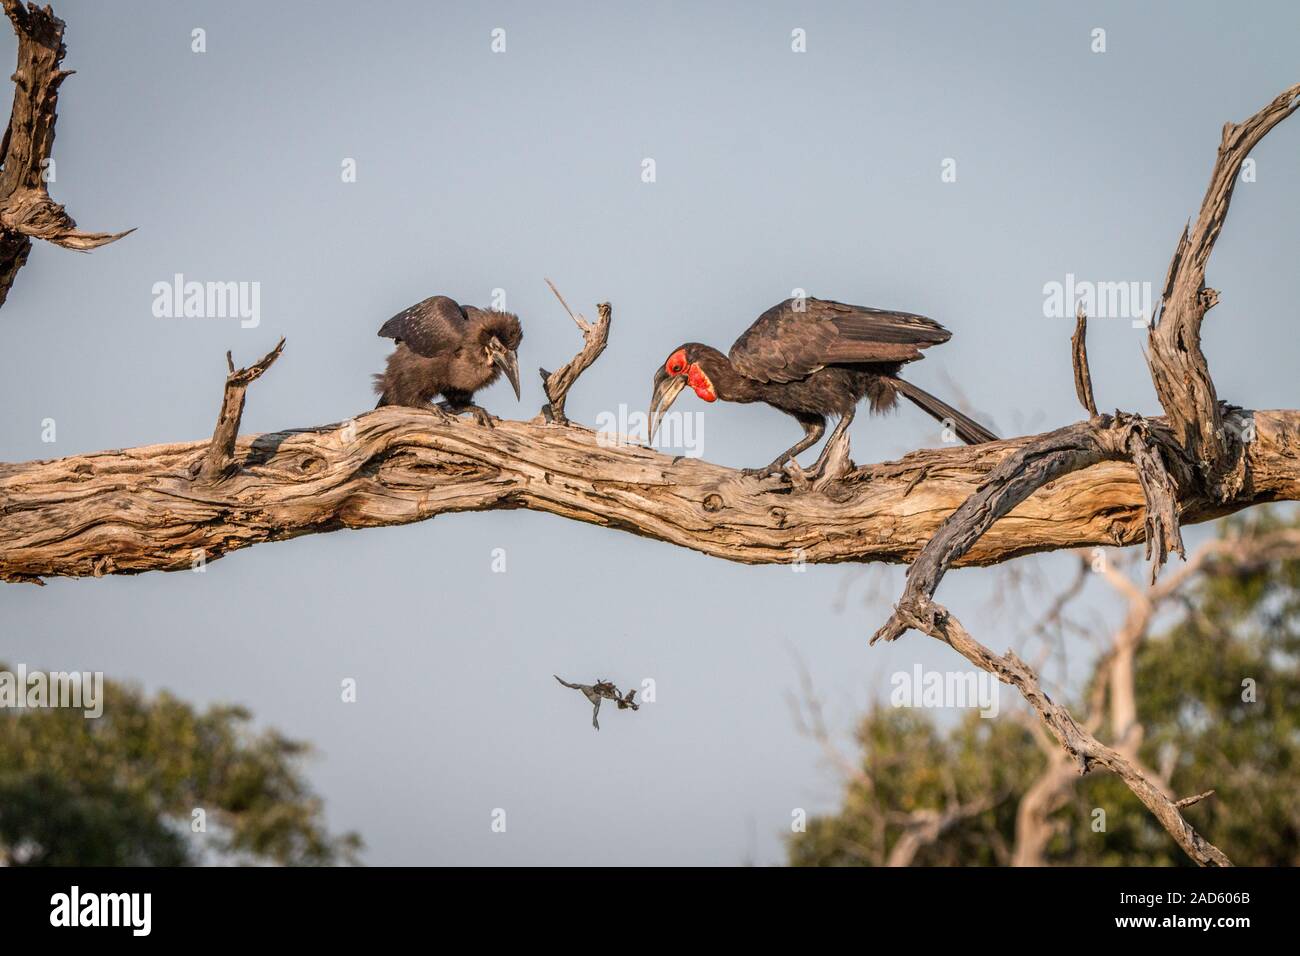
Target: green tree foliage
x,y
120,789
1218,694
910,765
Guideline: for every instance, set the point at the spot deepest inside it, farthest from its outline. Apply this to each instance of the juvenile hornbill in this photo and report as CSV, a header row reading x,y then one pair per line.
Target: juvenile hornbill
x,y
449,350
812,358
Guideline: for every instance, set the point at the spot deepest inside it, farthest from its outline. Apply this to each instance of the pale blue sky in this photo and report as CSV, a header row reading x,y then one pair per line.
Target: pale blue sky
x,y
476,170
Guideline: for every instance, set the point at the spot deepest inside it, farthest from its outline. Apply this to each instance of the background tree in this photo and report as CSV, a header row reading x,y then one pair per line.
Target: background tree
x,y
120,790
990,792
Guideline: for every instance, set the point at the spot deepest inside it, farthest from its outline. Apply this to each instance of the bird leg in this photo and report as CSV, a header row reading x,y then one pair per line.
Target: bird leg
x,y
840,434
481,415
440,409
813,429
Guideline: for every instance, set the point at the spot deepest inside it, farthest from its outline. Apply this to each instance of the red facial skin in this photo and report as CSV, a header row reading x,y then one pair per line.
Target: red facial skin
x,y
695,377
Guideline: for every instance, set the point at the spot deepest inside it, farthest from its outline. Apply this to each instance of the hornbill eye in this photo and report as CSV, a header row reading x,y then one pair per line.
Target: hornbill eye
x,y
676,363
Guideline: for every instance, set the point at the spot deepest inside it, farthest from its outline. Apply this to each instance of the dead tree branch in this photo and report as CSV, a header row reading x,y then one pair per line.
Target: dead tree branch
x,y
1115,678
921,828
1037,464
594,339
220,457
133,510
1191,457
1086,750
1193,800
1079,352
1178,367
26,210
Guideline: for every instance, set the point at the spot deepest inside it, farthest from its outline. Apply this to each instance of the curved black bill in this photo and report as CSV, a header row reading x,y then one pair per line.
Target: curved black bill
x,y
667,388
508,362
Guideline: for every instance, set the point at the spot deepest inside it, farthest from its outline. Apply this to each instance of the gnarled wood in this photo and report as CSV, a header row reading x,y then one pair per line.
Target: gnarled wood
x,y
1186,458
1079,354
594,338
26,210
220,457
1178,366
1075,739
134,510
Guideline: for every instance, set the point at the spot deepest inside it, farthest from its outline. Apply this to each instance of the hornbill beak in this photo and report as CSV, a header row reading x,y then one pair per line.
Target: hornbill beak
x,y
667,388
508,361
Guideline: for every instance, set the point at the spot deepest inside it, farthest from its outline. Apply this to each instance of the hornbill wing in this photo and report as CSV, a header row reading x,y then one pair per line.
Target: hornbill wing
x,y
792,340
428,327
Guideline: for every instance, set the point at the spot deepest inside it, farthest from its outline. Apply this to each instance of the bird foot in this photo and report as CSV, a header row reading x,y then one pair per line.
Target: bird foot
x,y
480,414
444,416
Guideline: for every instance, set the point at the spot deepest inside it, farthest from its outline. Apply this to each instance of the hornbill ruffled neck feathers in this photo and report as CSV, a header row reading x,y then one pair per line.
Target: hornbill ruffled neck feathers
x,y
812,358
449,350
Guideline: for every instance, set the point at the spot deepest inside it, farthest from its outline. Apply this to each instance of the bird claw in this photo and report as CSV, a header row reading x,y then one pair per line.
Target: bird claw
x,y
440,410
481,415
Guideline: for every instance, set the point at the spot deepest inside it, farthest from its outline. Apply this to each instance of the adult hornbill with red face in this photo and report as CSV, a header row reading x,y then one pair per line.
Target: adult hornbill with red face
x,y
444,349
812,358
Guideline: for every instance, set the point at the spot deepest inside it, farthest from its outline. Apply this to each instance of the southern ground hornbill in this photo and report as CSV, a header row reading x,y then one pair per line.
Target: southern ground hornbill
x,y
812,358
444,349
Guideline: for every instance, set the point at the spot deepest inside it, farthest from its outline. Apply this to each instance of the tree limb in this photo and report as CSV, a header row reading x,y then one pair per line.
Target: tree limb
x,y
1039,463
1079,352
140,509
1178,367
921,828
26,210
594,338
1189,456
220,456
1077,740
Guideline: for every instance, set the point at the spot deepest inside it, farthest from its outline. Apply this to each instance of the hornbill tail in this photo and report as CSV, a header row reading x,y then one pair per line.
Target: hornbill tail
x,y
967,429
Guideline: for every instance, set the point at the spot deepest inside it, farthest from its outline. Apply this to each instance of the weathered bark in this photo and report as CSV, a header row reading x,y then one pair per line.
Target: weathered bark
x,y
26,210
220,458
594,338
1178,367
1079,353
140,509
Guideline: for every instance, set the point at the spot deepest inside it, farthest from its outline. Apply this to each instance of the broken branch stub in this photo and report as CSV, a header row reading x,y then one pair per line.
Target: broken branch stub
x,y
219,459
557,384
